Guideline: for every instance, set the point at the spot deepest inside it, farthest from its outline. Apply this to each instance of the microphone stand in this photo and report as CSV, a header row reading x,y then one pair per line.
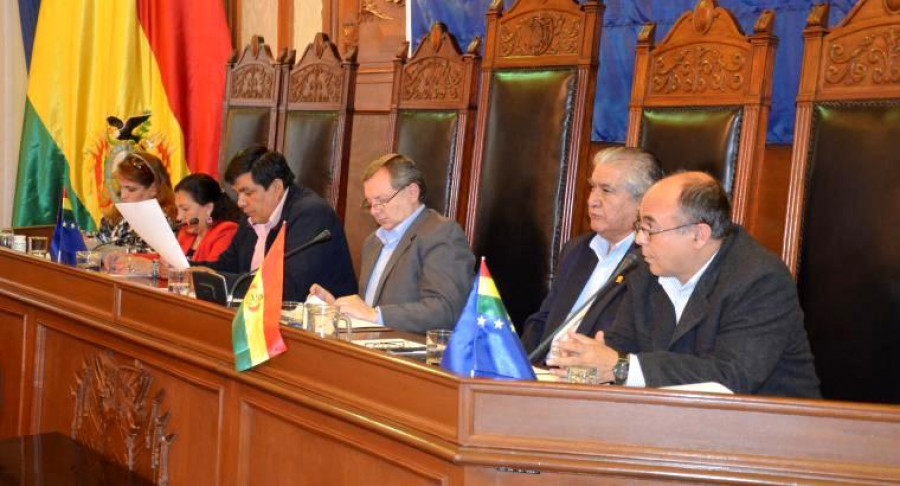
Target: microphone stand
x,y
323,236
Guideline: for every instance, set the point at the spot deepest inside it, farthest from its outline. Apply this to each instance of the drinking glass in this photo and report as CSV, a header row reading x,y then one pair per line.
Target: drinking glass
x,y
20,243
178,281
323,320
6,238
88,260
292,314
436,341
38,246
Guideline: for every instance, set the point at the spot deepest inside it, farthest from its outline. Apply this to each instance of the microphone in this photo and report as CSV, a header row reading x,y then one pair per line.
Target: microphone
x,y
626,265
322,237
190,222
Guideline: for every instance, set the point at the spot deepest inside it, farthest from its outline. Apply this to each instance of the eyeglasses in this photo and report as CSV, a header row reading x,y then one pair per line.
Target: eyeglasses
x,y
639,228
368,206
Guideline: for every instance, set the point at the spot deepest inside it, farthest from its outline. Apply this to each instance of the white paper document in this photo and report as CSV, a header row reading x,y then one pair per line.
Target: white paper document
x,y
148,221
708,387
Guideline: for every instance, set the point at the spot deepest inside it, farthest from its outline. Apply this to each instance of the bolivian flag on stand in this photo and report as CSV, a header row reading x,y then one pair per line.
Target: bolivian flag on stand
x,y
92,59
484,342
255,333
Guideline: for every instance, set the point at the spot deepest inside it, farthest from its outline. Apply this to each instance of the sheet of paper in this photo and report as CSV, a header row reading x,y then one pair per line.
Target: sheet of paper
x,y
390,344
148,220
708,387
543,374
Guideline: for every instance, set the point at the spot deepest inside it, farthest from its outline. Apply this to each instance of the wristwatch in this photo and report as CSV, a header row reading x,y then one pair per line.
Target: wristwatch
x,y
620,370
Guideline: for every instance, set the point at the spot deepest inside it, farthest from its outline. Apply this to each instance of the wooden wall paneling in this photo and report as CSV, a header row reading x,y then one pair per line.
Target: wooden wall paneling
x,y
16,360
280,440
767,201
117,385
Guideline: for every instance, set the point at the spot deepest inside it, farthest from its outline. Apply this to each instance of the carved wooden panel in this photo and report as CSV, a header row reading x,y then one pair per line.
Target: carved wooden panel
x,y
254,75
699,69
867,58
545,33
119,414
319,76
437,71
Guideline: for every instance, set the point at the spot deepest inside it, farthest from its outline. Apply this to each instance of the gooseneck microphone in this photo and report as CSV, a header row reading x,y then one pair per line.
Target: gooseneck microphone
x,y
615,278
190,222
322,237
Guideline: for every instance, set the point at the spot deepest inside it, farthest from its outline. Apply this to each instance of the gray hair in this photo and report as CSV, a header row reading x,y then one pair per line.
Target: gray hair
x,y
403,172
641,169
703,200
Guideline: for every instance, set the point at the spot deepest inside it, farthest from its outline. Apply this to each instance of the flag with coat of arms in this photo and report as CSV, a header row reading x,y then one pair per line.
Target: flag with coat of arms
x,y
484,342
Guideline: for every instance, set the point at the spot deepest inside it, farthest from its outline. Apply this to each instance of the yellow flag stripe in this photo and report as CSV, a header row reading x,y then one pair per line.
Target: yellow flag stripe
x,y
487,288
91,60
256,338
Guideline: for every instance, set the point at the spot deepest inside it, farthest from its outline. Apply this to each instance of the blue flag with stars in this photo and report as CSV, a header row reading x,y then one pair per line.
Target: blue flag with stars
x,y
66,236
484,342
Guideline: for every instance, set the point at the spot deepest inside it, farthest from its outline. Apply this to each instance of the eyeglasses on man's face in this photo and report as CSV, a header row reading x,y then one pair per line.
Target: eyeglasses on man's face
x,y
640,229
379,205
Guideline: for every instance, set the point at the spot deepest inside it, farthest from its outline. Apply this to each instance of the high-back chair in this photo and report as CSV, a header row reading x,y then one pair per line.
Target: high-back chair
x,y
315,119
252,90
531,145
700,99
841,234
432,115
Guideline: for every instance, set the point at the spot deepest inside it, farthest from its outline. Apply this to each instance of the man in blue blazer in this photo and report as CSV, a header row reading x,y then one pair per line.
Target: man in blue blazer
x,y
618,181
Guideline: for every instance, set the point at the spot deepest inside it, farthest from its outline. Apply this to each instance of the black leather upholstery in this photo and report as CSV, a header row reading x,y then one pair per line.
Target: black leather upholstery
x,y
849,274
529,125
693,138
245,127
309,146
429,138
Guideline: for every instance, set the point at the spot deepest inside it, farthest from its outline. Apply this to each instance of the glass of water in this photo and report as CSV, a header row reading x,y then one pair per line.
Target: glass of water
x,y
179,282
38,246
87,260
436,341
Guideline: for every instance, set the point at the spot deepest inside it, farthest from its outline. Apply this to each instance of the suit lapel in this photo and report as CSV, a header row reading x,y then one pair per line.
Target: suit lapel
x,y
572,285
370,254
698,305
401,248
662,317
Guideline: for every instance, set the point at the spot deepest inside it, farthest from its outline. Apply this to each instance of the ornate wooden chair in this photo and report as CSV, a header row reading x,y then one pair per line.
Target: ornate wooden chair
x,y
531,145
316,118
432,115
841,233
700,99
252,90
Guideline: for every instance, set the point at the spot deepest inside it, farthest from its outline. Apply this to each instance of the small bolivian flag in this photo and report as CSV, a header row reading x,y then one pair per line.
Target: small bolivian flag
x,y
255,333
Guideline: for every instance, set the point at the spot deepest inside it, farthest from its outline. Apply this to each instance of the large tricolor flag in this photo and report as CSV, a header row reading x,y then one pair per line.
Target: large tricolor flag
x,y
92,59
255,333
484,342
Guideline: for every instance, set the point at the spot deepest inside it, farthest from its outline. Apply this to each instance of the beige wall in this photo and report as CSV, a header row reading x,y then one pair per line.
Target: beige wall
x,y
262,17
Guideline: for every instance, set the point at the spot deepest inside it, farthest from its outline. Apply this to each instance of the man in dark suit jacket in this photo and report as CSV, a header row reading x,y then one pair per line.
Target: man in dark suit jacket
x,y
417,268
709,304
618,182
267,195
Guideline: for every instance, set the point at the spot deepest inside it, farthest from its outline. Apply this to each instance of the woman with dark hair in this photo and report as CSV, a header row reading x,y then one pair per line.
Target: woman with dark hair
x,y
138,177
207,216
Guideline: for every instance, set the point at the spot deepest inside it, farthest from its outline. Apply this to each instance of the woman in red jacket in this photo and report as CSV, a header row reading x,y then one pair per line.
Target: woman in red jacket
x,y
207,217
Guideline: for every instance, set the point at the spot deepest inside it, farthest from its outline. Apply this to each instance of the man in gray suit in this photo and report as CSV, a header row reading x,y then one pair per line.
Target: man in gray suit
x,y
417,268
709,305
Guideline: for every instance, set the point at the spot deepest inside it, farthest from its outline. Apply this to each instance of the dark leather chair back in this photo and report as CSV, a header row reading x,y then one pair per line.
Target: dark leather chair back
x,y
316,119
700,99
252,90
694,138
429,138
531,146
841,235
432,115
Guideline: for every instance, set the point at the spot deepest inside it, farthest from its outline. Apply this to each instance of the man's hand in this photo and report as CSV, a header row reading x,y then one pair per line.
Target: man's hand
x,y
579,350
320,292
355,307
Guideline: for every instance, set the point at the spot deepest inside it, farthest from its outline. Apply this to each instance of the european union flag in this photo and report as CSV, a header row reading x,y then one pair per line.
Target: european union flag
x,y
484,343
66,237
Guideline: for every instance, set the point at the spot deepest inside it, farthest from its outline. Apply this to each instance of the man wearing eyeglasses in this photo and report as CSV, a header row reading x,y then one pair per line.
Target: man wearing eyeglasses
x,y
584,296
417,268
709,304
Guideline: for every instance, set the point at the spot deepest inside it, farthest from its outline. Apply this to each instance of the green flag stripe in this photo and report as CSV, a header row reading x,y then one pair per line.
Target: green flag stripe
x,y
242,359
43,170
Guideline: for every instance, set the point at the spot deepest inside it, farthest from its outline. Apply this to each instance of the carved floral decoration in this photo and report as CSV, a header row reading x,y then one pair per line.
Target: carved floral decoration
x,y
433,79
254,82
369,10
698,69
316,84
116,416
543,34
872,58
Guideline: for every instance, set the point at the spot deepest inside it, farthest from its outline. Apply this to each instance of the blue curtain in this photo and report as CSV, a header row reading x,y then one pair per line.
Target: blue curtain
x,y
621,23
28,16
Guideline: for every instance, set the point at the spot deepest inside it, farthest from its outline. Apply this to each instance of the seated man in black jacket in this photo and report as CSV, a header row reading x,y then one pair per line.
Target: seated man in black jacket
x,y
268,196
708,305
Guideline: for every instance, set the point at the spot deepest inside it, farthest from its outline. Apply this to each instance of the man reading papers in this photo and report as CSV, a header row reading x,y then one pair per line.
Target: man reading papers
x,y
417,268
708,305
